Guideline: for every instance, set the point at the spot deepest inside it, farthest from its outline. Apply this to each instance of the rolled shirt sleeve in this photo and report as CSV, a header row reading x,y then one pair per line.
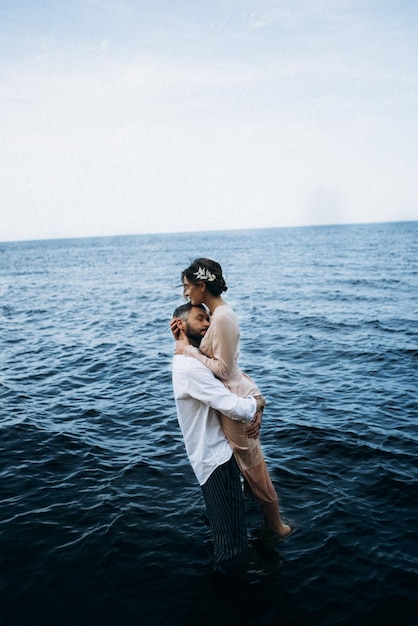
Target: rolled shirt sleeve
x,y
202,385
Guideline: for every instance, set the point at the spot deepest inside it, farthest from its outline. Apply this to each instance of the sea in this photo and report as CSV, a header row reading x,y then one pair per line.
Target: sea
x,y
102,521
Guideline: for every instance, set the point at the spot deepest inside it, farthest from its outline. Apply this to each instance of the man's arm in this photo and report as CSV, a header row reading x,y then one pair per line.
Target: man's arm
x,y
202,385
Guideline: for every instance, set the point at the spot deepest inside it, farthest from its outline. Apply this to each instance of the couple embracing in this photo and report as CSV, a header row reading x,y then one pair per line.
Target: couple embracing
x,y
219,410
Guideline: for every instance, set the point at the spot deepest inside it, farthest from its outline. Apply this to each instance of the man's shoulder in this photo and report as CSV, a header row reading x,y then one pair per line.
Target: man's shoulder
x,y
189,365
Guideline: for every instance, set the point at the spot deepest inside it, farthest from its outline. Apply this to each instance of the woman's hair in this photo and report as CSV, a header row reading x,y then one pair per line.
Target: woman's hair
x,y
208,272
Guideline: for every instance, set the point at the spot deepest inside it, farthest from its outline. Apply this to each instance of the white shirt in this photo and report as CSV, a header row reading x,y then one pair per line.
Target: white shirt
x,y
199,395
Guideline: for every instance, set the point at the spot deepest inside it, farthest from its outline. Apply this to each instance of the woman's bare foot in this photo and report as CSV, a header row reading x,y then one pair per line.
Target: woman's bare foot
x,y
284,530
281,530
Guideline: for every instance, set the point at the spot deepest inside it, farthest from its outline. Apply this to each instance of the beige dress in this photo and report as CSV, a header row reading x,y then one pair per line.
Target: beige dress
x,y
219,351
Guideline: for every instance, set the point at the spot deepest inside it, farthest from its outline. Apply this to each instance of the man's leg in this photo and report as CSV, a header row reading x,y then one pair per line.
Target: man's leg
x,y
225,507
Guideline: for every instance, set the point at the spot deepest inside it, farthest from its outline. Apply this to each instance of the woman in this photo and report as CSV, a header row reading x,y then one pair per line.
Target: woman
x,y
203,283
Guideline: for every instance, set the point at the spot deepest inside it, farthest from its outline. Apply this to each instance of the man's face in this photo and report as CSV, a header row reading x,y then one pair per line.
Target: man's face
x,y
197,324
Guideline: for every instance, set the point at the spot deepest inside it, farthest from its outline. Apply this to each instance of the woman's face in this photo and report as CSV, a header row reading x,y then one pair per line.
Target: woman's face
x,y
193,291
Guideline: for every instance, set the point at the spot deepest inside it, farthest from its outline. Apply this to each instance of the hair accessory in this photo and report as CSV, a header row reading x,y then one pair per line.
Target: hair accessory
x,y
204,274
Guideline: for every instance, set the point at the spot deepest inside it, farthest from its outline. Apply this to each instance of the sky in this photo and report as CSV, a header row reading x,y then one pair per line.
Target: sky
x,y
154,116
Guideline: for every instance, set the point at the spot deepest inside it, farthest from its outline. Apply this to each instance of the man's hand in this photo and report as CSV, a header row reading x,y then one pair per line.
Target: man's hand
x,y
253,430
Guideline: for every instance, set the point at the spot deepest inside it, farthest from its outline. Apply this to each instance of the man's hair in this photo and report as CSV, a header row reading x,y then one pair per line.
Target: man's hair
x,y
182,311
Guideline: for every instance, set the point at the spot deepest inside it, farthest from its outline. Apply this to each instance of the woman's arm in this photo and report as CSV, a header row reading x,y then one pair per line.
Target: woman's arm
x,y
224,336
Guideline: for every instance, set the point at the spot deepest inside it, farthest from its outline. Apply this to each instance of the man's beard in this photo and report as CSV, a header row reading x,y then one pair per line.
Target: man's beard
x,y
193,334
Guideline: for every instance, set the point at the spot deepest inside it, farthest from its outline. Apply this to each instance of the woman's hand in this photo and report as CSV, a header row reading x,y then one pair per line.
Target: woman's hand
x,y
174,328
180,345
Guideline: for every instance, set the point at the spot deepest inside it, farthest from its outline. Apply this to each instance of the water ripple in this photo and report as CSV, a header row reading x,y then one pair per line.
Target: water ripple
x,y
101,517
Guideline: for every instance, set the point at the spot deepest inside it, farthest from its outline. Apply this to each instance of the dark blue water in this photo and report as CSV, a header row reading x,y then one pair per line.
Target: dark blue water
x,y
101,519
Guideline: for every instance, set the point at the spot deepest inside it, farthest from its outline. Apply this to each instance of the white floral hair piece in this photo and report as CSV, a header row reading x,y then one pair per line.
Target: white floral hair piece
x,y
204,274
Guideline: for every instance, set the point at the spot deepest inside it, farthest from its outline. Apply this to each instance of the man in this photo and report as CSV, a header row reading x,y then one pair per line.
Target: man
x,y
199,395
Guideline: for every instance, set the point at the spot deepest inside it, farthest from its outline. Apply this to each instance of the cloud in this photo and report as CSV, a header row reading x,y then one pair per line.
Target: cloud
x,y
109,136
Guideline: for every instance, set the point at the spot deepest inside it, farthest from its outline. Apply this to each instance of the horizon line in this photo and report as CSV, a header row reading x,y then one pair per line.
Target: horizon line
x,y
214,230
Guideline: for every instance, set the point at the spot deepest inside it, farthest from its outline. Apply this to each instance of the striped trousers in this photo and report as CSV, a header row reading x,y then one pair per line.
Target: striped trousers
x,y
225,507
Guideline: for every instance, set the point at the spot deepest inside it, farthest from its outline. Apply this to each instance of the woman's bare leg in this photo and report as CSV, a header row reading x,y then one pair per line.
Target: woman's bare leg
x,y
250,459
